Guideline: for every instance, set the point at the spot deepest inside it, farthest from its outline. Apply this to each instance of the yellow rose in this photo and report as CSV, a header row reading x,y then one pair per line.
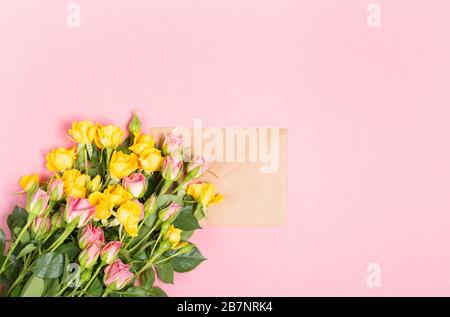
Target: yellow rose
x,y
122,164
83,131
128,215
151,160
60,159
95,184
108,136
204,193
75,183
173,235
103,205
142,142
29,182
118,194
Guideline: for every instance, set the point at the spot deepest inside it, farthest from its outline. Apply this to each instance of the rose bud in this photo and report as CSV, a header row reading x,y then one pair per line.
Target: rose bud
x,y
41,227
150,206
173,235
38,202
197,167
90,234
163,247
117,275
56,189
79,210
135,184
89,256
57,220
186,248
86,275
168,212
29,182
110,252
95,184
135,125
172,168
172,144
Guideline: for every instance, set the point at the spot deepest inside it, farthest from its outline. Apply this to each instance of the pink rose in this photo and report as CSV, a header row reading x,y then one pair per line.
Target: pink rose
x,y
169,211
117,275
110,252
173,144
172,168
89,256
80,210
38,203
197,167
135,184
41,227
56,189
90,234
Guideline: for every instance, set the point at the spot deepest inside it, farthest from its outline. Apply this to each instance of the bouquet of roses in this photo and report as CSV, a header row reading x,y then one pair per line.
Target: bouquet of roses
x,y
115,214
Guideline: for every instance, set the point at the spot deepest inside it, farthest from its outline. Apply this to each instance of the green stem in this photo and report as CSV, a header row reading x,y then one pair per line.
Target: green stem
x,y
86,165
148,265
68,283
21,276
145,237
165,187
48,236
167,259
108,157
92,279
156,243
158,187
62,238
14,245
106,292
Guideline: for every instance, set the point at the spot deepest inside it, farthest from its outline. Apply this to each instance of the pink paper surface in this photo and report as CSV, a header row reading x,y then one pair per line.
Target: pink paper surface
x,y
367,111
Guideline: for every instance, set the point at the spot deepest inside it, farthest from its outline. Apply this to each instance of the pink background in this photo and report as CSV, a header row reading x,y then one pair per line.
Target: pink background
x,y
367,112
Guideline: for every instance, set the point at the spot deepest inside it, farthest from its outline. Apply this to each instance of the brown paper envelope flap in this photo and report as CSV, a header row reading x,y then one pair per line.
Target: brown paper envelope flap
x,y
221,169
251,198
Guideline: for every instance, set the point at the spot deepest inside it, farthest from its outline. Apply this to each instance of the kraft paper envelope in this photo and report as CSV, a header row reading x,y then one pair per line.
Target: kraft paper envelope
x,y
252,197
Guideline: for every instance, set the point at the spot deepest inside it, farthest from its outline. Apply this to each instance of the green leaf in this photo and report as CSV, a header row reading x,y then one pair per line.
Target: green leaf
x,y
185,235
124,147
165,272
96,288
70,249
13,268
51,287
164,200
148,278
199,213
186,220
124,253
50,265
17,291
26,249
34,287
17,219
2,243
25,237
79,162
188,261
135,292
2,247
156,292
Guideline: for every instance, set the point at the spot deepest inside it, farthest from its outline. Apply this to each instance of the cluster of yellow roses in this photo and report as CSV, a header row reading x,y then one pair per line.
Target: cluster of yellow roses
x,y
144,156
105,197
